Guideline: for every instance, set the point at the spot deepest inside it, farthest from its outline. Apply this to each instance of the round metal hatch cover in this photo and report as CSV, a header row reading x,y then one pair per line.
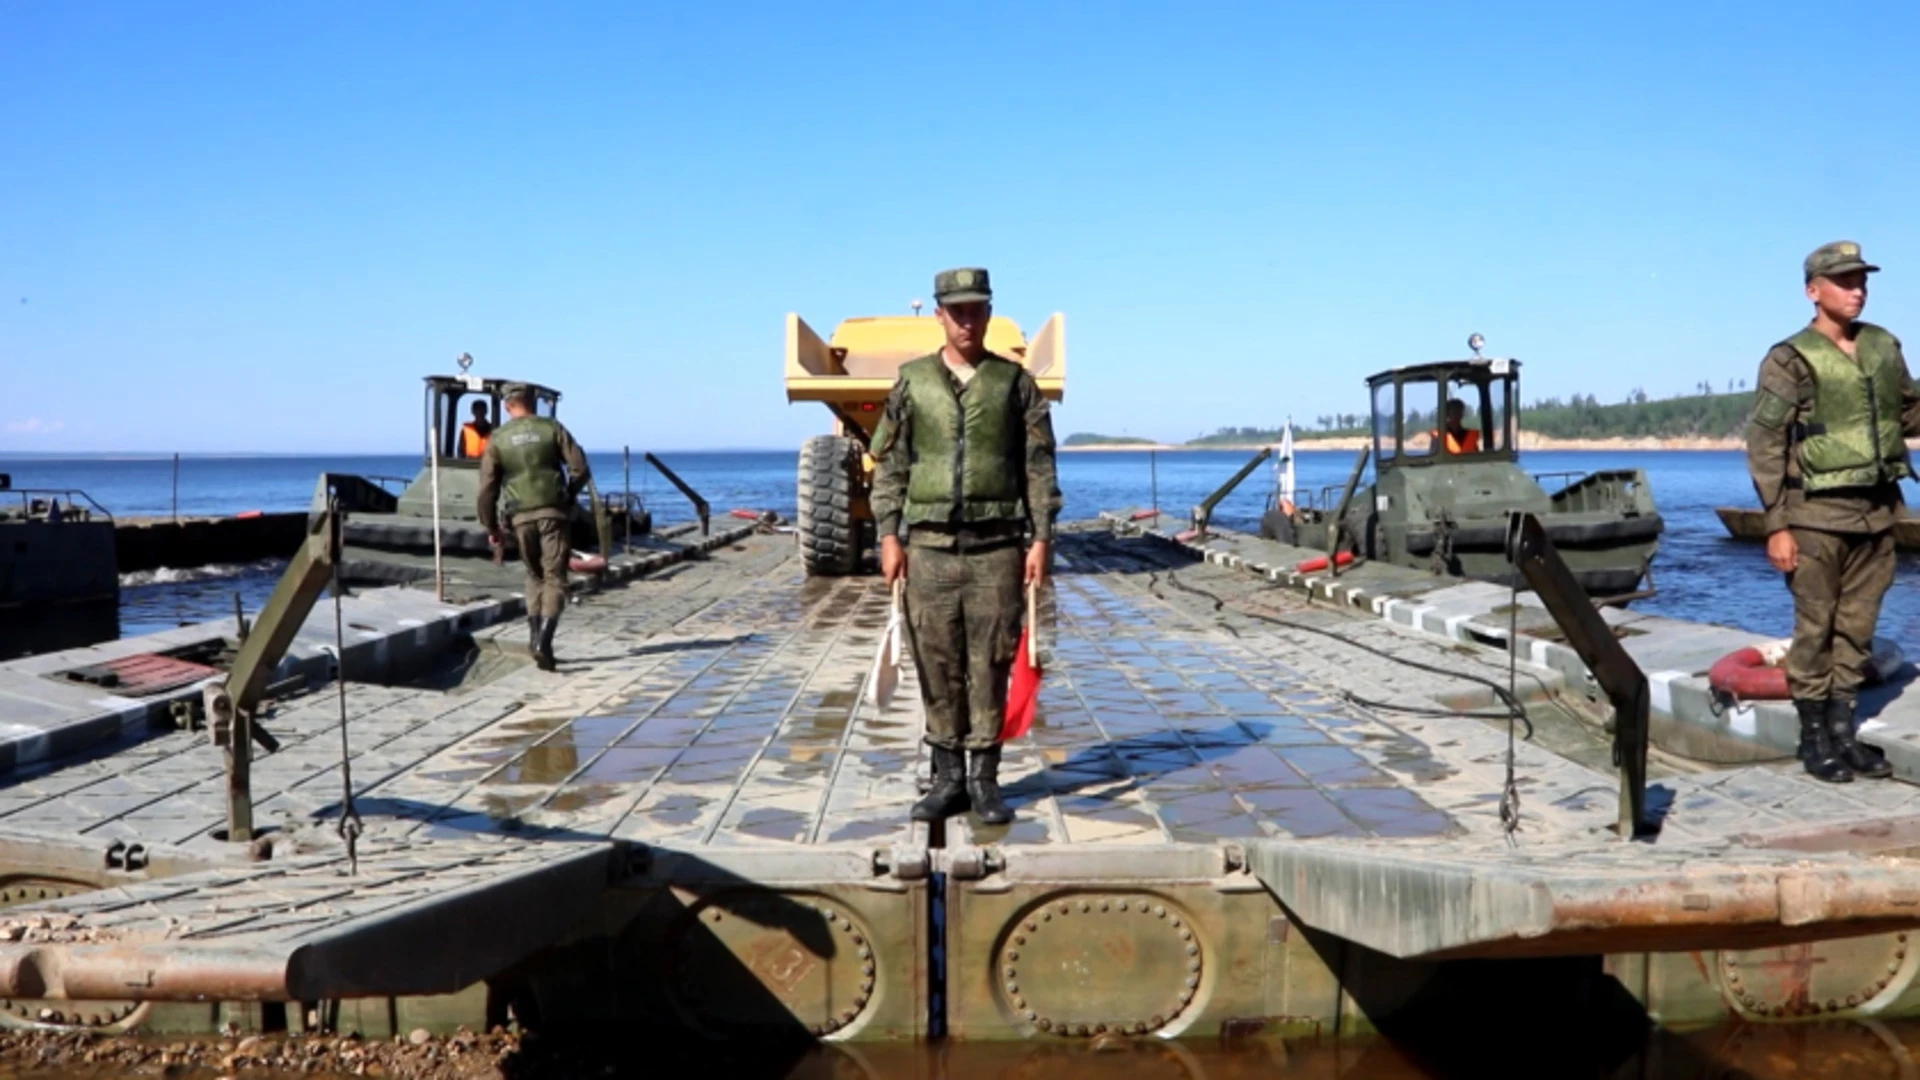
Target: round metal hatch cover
x,y
757,959
1818,978
1098,963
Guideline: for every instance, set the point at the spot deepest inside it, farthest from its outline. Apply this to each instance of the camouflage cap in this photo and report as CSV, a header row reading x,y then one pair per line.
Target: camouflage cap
x,y
965,285
1839,257
516,390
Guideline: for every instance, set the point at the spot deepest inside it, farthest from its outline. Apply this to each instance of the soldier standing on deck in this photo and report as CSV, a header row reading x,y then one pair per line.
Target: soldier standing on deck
x,y
542,471
965,459
1826,446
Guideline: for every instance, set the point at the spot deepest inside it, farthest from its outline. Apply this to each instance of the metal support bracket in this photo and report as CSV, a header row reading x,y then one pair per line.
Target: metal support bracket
x,y
903,862
231,706
1338,522
700,507
1533,555
1203,513
968,863
128,857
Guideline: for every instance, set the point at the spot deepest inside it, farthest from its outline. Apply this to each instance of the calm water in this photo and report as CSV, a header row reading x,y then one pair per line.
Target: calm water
x,y
1702,575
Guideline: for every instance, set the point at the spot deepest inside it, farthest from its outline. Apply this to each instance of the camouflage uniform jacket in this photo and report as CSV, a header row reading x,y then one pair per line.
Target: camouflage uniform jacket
x,y
893,458
1783,398
493,475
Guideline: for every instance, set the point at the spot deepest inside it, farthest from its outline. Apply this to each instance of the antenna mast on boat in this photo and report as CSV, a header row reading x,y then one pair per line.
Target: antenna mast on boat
x,y
465,360
1284,463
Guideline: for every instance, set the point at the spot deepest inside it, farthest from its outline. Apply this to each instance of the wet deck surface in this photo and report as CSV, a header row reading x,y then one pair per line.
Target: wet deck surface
x,y
715,707
718,705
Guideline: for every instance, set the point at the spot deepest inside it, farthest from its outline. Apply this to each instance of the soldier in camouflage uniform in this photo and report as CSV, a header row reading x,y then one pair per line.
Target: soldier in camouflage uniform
x,y
542,471
965,459
1826,447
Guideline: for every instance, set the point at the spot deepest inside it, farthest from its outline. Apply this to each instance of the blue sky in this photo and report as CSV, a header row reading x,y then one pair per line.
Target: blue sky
x,y
254,227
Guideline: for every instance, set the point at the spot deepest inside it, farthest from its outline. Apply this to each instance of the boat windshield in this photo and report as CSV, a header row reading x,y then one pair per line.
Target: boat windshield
x,y
1461,413
1386,435
455,407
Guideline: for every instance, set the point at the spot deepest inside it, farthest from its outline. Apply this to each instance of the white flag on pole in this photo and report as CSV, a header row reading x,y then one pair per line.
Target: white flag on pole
x,y
1286,461
885,676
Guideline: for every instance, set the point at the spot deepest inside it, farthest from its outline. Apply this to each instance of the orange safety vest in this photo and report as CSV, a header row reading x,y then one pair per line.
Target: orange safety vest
x,y
472,443
1467,443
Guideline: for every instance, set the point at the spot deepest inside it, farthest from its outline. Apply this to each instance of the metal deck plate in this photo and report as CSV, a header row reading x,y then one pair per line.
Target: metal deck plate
x,y
1190,763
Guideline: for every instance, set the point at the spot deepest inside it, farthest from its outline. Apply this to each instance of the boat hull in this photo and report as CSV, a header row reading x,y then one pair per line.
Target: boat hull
x,y
1749,526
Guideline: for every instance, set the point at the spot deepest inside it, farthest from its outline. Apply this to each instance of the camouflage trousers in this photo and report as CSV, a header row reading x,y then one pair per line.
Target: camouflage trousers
x,y
1837,590
963,623
544,551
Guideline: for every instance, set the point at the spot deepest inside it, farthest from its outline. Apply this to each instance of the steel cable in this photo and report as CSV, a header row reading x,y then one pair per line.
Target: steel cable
x,y
1510,792
350,826
1513,711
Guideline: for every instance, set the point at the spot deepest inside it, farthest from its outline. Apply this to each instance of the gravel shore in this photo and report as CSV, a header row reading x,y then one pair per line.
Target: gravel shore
x,y
420,1056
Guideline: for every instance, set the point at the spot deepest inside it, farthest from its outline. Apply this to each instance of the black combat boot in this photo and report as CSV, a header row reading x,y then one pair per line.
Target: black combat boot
x,y
543,655
948,796
1864,760
533,636
1822,758
983,787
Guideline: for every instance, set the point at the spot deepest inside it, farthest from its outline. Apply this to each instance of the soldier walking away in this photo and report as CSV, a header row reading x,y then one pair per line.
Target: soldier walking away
x,y
1826,445
538,467
965,461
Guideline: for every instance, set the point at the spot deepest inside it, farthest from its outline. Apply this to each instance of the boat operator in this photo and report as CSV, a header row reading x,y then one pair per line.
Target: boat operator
x,y
541,470
474,433
1460,438
964,457
1826,446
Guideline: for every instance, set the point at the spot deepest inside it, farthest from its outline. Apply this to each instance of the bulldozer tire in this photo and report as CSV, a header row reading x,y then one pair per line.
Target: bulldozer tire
x,y
830,537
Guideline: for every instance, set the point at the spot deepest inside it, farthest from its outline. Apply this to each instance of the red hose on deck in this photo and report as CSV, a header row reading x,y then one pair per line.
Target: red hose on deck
x,y
1308,566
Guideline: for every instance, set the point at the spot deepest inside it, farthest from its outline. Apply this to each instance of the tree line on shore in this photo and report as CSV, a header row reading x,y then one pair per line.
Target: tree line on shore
x,y
1706,414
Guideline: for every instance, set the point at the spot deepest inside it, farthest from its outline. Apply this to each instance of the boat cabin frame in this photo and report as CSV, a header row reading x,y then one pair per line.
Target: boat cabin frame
x,y
1409,405
448,399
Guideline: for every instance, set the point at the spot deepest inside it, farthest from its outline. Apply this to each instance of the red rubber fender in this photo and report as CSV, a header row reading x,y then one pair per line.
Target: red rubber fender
x,y
587,564
1745,674
744,515
1319,562
249,514
1142,515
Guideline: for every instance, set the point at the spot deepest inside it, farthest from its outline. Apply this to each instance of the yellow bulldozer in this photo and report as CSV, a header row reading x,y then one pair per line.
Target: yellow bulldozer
x,y
851,373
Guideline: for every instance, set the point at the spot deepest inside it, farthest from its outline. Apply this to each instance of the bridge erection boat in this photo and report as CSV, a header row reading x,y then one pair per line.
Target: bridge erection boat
x,y
1440,499
389,538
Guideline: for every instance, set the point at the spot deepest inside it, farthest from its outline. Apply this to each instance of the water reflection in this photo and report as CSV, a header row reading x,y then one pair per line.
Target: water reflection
x,y
1863,1049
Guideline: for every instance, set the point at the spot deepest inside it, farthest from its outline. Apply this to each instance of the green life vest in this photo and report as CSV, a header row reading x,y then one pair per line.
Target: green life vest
x,y
529,452
1853,434
968,448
